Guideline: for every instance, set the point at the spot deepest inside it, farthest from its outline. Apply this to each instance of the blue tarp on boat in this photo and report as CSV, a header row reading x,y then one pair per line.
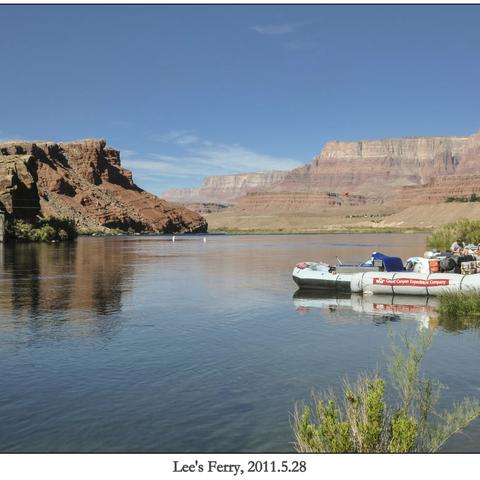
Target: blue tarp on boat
x,y
391,264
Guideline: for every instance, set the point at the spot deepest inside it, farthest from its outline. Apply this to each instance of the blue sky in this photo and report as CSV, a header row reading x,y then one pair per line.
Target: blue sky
x,y
188,91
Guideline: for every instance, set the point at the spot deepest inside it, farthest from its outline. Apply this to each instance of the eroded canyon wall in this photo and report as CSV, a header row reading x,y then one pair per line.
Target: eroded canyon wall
x,y
378,170
85,181
226,189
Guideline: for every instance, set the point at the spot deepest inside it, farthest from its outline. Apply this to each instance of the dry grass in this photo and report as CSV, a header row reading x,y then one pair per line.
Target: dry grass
x,y
343,219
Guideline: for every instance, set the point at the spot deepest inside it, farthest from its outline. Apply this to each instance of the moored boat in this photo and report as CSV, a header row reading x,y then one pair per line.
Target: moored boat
x,y
320,275
387,275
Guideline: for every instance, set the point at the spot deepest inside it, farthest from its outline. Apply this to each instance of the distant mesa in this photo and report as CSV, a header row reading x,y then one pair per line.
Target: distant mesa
x,y
226,189
393,172
84,180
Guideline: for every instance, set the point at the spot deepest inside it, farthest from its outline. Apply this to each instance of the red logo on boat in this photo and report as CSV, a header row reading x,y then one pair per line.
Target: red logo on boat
x,y
411,282
301,265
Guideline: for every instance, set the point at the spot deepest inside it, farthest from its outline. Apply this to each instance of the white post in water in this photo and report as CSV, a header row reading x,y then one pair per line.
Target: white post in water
x,y
2,226
204,239
173,238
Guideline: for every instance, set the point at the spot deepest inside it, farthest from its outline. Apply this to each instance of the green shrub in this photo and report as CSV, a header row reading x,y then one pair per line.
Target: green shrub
x,y
22,230
57,223
62,235
364,422
443,236
106,232
404,432
43,230
459,304
472,198
47,233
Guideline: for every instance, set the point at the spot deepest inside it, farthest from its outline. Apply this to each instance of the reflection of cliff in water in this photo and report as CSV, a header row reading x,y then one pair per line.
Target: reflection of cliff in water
x,y
380,308
81,281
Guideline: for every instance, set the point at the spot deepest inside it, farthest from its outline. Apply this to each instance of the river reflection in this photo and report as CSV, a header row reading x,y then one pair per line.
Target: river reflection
x,y
381,309
42,283
141,344
378,308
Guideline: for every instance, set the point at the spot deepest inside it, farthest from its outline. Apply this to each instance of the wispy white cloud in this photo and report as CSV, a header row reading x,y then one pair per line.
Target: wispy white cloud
x,y
293,36
155,168
202,157
180,137
126,153
274,29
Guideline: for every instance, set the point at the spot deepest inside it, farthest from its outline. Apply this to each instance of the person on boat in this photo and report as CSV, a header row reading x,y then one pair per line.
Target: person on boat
x,y
457,246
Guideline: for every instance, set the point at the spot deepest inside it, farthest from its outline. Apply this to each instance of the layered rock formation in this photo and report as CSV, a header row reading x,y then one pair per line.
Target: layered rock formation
x,y
390,171
84,181
437,190
375,167
296,201
226,189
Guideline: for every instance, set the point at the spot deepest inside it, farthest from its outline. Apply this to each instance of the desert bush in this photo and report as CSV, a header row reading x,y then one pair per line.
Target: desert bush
x,y
459,304
43,230
22,230
443,236
58,224
365,422
46,233
62,235
472,198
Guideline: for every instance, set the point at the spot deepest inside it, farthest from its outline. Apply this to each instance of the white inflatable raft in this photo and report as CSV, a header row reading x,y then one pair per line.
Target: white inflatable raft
x,y
369,278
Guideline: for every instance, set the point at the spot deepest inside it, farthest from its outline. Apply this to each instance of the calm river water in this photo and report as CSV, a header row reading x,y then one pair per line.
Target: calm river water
x,y
140,344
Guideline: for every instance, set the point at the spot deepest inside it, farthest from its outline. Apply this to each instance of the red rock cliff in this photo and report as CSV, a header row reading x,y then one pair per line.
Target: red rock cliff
x,y
85,181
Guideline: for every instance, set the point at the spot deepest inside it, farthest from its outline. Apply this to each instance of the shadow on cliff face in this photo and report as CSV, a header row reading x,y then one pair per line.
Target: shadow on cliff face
x,y
64,285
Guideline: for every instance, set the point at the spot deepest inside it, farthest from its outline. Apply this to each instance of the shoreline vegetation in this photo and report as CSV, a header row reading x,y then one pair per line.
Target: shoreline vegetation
x,y
368,419
463,306
48,229
442,237
58,229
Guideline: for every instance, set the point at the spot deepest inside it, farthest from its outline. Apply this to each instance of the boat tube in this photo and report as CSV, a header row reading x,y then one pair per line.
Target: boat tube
x,y
412,283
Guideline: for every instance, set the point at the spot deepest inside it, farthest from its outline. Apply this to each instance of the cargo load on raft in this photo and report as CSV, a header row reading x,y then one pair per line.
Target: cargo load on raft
x,y
432,274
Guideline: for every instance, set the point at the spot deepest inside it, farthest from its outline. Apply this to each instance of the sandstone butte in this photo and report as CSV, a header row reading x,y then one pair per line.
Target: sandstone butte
x,y
84,181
